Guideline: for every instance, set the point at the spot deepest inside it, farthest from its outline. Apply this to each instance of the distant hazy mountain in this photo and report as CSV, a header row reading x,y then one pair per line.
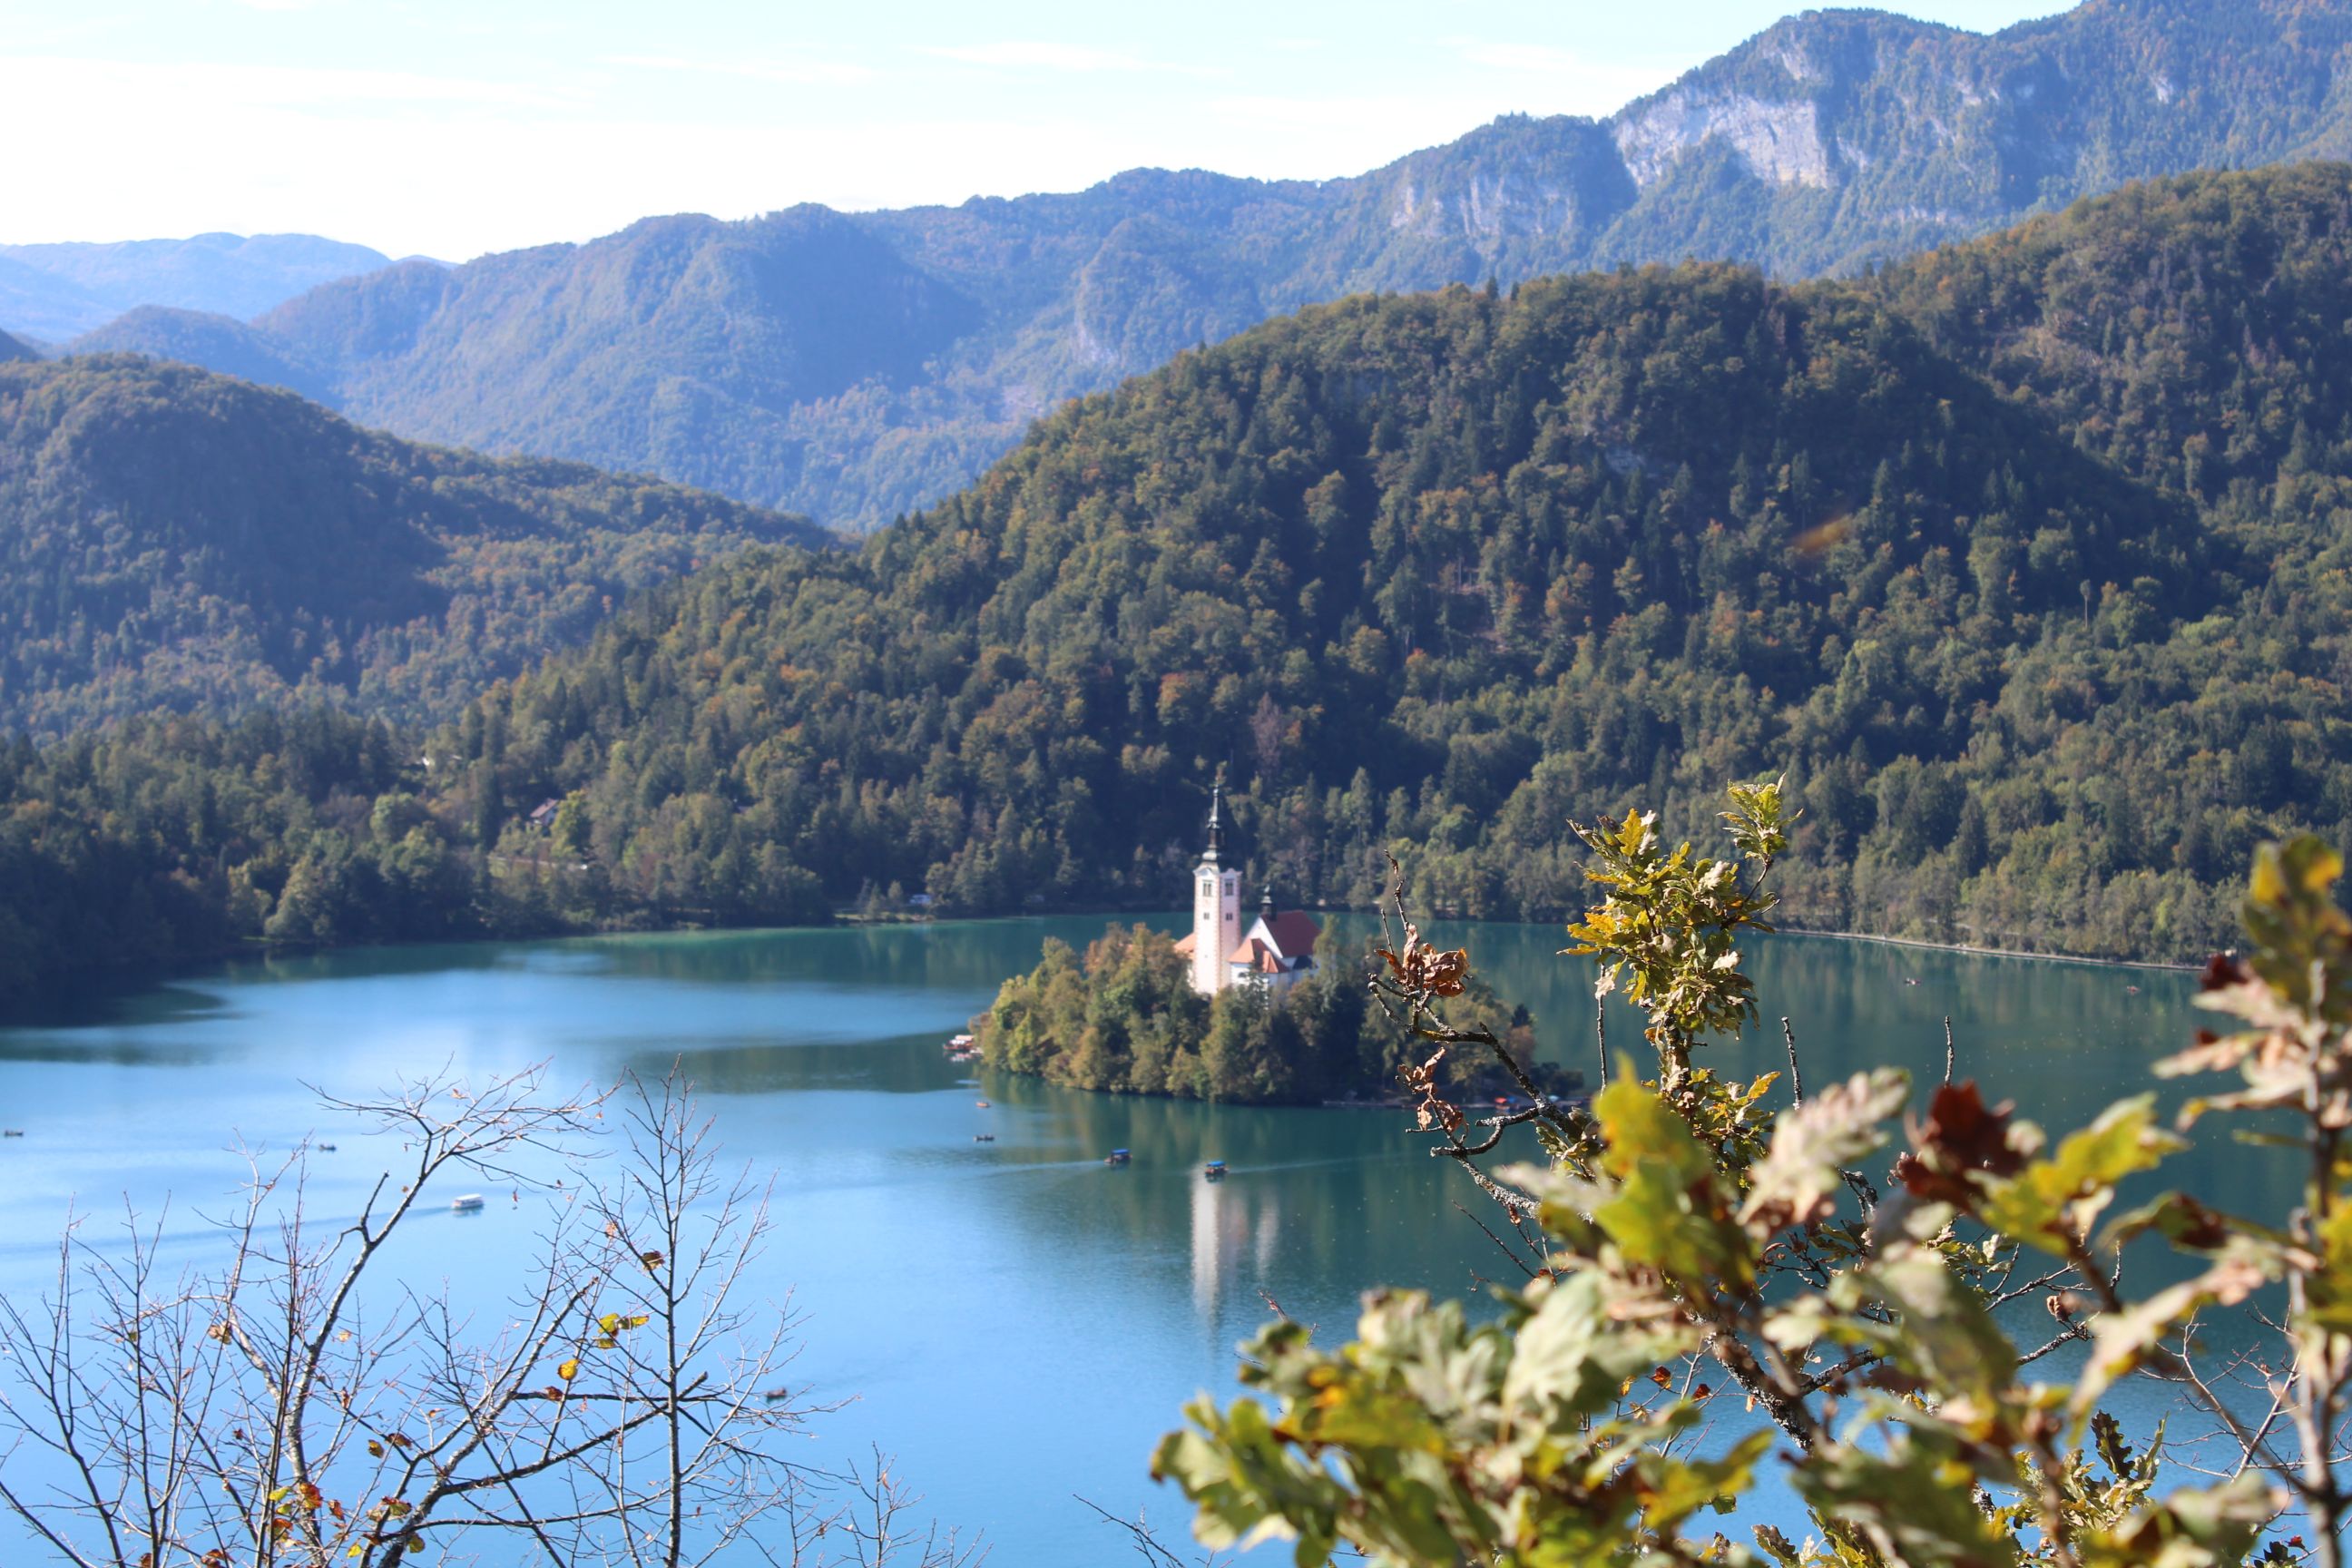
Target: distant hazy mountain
x,y
856,365
177,540
11,349
58,290
217,343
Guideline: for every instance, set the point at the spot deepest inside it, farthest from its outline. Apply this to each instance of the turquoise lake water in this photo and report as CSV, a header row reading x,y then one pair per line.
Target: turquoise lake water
x,y
1015,1321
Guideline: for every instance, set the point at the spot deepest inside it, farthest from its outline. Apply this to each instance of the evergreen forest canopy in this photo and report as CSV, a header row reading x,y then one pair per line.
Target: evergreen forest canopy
x,y
2025,558
174,540
855,366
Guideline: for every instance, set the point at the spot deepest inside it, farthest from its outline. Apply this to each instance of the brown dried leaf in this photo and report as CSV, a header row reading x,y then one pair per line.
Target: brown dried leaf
x,y
1961,1141
1425,970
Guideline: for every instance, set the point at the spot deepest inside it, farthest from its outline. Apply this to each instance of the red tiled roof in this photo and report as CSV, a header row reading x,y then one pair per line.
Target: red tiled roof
x,y
1295,931
1185,945
1257,955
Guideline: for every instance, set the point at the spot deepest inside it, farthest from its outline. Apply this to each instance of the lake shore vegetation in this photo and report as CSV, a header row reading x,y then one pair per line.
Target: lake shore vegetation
x,y
1123,1018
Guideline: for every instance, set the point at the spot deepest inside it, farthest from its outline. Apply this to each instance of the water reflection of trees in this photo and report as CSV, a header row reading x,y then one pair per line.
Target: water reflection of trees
x,y
1348,1195
1328,1197
957,955
1850,1000
910,1064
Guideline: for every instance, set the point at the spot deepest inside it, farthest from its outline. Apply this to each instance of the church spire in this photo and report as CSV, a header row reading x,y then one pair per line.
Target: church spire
x,y
1216,820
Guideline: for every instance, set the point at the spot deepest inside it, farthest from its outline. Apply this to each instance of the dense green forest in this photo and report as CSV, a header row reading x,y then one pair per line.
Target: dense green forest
x,y
175,540
2025,560
171,839
1123,1018
155,842
856,365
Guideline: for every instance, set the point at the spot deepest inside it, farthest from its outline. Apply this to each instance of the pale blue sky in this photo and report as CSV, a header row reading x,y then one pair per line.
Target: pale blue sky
x,y
453,126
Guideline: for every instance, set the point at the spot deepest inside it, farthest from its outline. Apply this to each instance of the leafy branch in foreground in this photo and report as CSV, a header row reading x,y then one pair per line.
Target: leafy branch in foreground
x,y
302,1403
1714,1275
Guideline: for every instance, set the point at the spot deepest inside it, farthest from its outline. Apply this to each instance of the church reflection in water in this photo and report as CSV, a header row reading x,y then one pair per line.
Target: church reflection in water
x,y
1232,1219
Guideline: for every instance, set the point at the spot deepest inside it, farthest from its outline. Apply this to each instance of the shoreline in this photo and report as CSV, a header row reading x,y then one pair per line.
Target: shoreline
x,y
1971,951
67,997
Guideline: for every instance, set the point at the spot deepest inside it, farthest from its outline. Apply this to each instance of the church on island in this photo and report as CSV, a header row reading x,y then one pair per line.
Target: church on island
x,y
1278,951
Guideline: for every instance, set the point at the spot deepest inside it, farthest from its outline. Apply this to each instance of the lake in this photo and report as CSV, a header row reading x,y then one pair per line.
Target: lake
x,y
1016,1323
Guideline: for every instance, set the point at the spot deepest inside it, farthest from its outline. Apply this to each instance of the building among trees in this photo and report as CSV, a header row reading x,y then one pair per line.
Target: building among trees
x,y
1278,951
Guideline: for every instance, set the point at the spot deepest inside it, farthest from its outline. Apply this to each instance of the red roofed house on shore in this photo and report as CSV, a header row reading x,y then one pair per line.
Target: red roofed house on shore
x,y
1276,953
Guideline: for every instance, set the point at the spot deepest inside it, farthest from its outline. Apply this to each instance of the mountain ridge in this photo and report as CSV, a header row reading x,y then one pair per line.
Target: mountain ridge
x,y
177,540
1830,141
58,290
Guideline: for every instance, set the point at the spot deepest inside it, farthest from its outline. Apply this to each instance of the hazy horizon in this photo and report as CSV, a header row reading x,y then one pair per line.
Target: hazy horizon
x,y
424,128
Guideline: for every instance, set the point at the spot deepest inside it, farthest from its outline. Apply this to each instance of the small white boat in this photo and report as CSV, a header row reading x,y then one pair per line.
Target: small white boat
x,y
466,1203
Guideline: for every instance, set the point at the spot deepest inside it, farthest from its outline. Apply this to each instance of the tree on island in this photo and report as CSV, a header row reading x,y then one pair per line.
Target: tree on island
x,y
1716,1267
1125,1018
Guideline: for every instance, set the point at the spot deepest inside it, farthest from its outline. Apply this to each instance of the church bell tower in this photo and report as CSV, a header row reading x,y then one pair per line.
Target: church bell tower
x,y
1216,906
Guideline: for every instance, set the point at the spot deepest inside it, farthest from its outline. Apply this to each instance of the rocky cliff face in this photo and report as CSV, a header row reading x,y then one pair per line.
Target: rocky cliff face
x,y
856,366
1779,141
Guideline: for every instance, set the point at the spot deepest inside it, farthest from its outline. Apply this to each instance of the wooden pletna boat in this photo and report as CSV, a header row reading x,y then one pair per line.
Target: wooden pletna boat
x,y
466,1203
1215,1171
1116,1157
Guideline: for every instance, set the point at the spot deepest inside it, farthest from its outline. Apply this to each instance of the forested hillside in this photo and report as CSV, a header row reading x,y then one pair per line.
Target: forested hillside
x,y
852,366
2046,649
2025,560
175,540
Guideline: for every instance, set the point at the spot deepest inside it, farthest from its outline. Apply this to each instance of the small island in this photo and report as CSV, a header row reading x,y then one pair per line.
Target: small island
x,y
1241,1015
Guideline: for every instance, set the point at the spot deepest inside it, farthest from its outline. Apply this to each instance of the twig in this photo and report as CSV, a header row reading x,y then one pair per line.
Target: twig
x,y
1600,1036
1500,1245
